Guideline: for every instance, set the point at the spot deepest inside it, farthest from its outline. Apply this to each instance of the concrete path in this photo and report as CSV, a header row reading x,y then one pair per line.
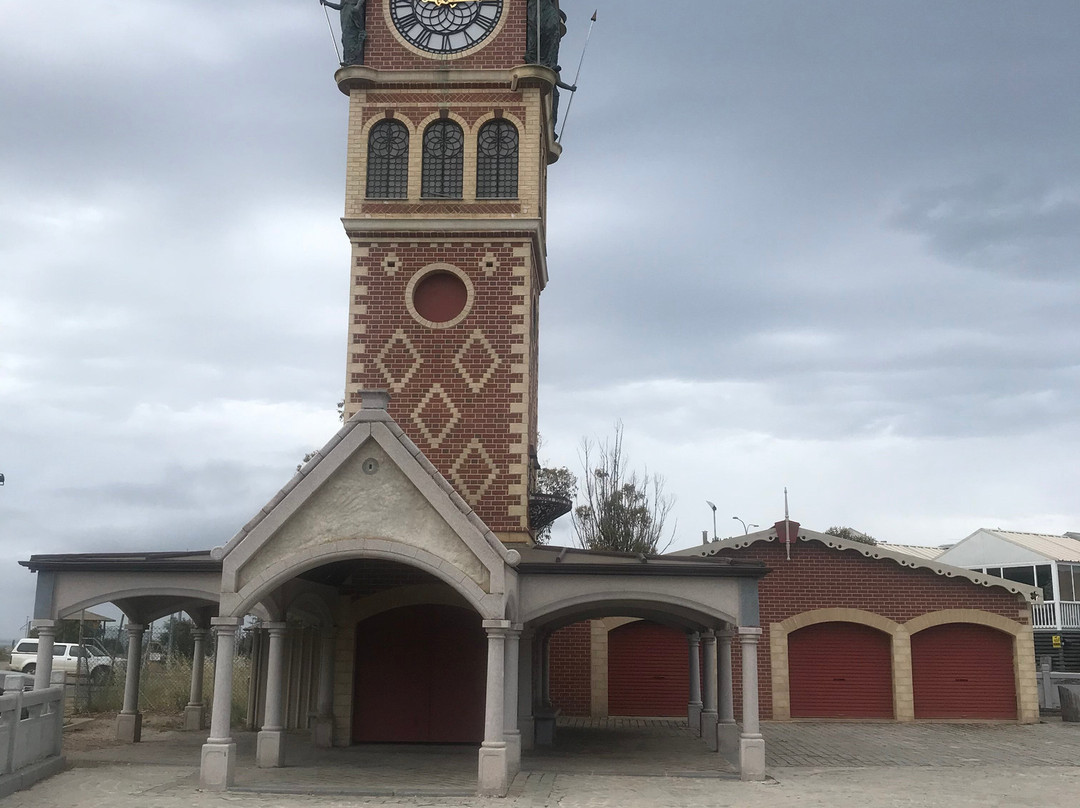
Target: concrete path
x,y
834,765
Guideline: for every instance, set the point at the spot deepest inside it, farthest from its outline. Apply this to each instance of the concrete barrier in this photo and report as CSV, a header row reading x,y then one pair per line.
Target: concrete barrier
x,y
1070,702
31,733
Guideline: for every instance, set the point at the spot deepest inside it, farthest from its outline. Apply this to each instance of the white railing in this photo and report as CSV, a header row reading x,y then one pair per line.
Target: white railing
x,y
1070,614
1056,614
31,724
1044,615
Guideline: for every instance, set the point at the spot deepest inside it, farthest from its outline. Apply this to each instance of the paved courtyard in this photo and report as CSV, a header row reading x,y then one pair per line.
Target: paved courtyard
x,y
623,763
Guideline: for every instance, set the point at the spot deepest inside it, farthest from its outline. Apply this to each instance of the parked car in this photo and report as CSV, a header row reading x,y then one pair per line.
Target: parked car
x,y
70,657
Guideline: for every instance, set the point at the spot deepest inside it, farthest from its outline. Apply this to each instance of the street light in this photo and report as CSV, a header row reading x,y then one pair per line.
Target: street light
x,y
713,519
745,527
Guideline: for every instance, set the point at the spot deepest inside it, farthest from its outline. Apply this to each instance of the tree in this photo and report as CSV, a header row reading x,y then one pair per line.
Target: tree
x,y
623,510
558,482
851,534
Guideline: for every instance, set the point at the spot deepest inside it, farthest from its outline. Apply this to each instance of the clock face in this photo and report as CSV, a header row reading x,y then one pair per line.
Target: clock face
x,y
445,26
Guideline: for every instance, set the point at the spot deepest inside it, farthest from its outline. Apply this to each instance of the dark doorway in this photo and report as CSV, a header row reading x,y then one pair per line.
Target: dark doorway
x,y
420,676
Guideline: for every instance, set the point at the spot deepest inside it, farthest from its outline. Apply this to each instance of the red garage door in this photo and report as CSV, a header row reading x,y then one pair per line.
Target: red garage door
x,y
840,670
648,670
420,676
963,670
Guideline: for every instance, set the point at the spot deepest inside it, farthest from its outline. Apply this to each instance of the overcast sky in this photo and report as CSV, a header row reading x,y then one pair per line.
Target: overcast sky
x,y
832,246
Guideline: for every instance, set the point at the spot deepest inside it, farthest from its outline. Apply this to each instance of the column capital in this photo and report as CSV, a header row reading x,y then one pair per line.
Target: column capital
x,y
135,628
708,636
275,629
496,628
749,633
226,622
43,624
725,634
200,633
694,637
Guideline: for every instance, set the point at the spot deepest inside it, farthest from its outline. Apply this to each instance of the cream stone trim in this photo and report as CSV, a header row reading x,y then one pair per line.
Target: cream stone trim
x,y
439,266
444,57
900,634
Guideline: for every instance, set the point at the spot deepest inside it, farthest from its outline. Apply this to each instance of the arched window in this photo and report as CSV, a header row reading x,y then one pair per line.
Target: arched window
x,y
497,160
388,161
444,155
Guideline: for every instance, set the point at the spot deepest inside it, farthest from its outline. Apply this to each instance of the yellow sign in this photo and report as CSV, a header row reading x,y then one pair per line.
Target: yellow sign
x,y
1055,640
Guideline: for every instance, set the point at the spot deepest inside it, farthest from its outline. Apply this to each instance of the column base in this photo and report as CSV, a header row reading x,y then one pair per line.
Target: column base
x,y
545,730
194,717
129,727
727,738
513,753
752,758
270,749
708,729
492,778
217,768
528,732
693,717
322,732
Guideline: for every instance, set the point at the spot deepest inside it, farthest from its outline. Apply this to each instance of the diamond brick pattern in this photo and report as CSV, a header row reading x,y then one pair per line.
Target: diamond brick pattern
x,y
476,361
398,361
473,472
435,416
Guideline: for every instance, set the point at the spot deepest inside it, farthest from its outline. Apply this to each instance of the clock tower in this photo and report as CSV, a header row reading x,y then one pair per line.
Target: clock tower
x,y
450,135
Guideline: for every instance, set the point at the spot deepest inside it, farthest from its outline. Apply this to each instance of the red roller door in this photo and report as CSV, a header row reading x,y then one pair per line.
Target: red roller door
x,y
963,670
648,670
420,676
840,670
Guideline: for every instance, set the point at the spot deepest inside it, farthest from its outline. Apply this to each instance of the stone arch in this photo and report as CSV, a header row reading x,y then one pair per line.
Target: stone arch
x,y
903,706
177,599
666,608
489,606
1027,696
989,619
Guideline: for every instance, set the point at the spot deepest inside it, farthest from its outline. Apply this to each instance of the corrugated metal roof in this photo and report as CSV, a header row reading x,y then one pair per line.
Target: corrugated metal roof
x,y
1058,548
929,553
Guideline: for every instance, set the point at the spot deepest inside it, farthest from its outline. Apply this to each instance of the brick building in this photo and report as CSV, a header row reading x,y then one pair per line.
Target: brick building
x,y
849,631
393,580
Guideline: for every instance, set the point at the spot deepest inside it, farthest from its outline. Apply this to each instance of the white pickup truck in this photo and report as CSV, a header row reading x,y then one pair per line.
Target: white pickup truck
x,y
75,659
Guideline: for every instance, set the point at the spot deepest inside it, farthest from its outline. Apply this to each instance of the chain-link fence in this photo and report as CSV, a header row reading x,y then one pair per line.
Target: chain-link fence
x,y
165,670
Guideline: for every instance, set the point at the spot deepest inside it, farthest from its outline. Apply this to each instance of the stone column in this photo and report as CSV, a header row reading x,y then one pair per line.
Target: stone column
x,y
493,774
526,684
270,748
322,733
727,731
693,709
751,743
511,734
544,713
129,722
708,712
218,765
195,711
43,667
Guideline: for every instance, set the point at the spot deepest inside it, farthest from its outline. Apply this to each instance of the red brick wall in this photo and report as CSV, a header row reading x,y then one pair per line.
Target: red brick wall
x,y
485,414
818,577
501,51
570,650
